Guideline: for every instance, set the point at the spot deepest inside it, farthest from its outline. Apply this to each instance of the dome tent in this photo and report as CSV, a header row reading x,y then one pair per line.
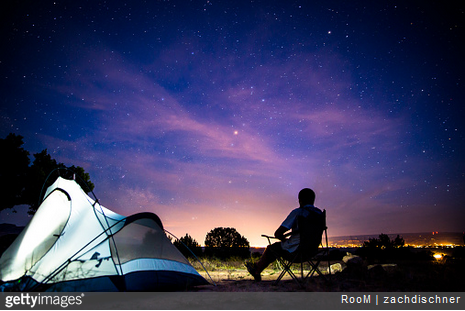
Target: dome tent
x,y
74,244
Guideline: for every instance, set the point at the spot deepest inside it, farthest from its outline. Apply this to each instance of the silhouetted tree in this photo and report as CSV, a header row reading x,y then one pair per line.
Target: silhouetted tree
x,y
186,244
225,237
42,166
372,243
398,242
24,184
14,164
226,242
383,248
384,241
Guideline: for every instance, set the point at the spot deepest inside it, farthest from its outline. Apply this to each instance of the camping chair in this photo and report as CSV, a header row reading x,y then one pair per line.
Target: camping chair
x,y
311,230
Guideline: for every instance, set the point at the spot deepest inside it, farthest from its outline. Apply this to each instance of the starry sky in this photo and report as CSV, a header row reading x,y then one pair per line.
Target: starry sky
x,y
216,113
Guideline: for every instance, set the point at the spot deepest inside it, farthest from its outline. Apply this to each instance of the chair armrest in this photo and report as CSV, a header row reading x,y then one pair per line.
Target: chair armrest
x,y
268,236
273,237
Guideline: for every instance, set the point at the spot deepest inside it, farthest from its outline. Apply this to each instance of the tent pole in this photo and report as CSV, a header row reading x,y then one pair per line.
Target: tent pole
x,y
69,260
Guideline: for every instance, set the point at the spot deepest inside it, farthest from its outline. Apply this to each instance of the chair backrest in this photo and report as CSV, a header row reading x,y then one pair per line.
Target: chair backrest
x,y
311,230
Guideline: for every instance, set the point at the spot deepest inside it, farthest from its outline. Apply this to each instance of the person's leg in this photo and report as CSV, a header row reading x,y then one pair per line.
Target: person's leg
x,y
270,254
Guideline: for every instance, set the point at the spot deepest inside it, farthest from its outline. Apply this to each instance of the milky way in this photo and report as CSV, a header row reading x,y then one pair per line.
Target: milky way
x,y
211,113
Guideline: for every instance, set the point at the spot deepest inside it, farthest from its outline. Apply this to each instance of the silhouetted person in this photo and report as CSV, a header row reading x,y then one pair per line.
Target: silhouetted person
x,y
273,251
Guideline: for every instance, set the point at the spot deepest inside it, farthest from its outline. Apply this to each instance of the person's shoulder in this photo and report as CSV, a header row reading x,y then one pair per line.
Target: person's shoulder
x,y
314,209
295,212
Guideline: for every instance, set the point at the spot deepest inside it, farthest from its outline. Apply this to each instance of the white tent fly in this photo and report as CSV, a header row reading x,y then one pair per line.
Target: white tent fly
x,y
74,244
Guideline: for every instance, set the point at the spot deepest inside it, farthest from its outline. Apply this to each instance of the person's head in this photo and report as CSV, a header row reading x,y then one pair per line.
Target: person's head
x,y
306,196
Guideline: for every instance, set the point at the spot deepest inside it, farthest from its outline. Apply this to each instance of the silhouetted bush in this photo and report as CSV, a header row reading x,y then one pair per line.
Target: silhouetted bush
x,y
459,253
188,246
384,242
384,249
336,254
378,255
227,252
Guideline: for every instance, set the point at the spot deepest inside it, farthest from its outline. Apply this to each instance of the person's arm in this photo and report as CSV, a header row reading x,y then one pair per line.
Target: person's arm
x,y
279,233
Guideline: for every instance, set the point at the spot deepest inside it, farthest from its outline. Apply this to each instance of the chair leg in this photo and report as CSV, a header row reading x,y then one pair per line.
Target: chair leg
x,y
314,268
286,268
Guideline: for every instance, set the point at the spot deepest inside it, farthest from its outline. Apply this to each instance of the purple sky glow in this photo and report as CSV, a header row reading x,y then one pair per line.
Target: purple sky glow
x,y
214,114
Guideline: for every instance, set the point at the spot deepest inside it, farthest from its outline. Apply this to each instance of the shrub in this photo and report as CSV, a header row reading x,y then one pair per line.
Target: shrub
x,y
188,246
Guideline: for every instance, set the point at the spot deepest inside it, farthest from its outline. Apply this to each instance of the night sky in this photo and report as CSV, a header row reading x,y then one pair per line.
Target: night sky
x,y
216,113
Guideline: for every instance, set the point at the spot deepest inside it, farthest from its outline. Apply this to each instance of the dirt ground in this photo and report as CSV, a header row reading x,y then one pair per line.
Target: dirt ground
x,y
406,277
239,280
